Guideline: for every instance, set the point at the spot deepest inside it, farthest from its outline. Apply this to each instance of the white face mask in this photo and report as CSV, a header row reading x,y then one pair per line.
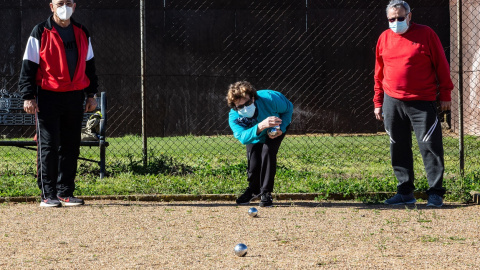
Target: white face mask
x,y
247,111
64,12
399,27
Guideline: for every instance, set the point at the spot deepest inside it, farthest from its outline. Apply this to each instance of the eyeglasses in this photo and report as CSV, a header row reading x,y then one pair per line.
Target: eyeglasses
x,y
400,19
239,107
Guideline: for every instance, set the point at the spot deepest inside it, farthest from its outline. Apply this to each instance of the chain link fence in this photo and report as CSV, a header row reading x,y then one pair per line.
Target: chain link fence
x,y
319,54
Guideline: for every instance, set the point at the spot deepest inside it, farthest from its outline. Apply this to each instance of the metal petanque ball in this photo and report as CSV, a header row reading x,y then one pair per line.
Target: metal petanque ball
x,y
253,212
241,250
273,131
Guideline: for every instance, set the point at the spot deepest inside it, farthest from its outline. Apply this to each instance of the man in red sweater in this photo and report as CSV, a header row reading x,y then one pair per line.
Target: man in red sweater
x,y
411,70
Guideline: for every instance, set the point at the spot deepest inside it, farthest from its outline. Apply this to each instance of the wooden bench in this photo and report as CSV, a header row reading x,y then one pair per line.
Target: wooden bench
x,y
12,114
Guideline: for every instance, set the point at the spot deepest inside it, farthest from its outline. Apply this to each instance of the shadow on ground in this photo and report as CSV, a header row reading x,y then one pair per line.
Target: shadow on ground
x,y
319,204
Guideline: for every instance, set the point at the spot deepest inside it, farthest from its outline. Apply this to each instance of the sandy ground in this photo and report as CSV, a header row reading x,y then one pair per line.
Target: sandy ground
x,y
203,234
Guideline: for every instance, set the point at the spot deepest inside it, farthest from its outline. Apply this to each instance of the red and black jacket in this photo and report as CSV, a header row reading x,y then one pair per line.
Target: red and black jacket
x,y
45,64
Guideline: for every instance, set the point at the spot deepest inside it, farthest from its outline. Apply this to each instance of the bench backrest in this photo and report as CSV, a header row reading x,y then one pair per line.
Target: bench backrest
x,y
12,113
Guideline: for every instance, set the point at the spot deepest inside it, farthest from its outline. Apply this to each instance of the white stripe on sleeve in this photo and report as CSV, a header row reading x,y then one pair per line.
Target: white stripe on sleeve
x,y
32,52
90,50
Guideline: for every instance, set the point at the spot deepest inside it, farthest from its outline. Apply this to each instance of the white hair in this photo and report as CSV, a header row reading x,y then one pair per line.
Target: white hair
x,y
397,4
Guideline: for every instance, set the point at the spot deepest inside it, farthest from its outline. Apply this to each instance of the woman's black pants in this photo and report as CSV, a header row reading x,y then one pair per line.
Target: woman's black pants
x,y
262,164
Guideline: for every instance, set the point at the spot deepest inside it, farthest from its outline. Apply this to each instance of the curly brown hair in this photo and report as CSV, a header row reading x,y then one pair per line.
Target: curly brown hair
x,y
240,90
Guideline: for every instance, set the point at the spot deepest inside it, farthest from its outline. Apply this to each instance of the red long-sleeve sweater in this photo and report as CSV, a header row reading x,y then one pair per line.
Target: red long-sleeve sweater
x,y
411,66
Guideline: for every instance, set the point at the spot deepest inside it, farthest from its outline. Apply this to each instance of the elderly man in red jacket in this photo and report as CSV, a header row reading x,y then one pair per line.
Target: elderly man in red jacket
x,y
58,74
411,70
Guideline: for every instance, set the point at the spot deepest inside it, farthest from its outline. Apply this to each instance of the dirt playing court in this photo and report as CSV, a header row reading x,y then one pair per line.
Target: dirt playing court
x,y
203,234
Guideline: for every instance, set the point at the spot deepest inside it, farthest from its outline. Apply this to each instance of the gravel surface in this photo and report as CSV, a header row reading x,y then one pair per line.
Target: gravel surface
x,y
203,234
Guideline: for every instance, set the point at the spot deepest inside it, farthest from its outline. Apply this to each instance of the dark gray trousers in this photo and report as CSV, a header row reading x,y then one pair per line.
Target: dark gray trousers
x,y
399,117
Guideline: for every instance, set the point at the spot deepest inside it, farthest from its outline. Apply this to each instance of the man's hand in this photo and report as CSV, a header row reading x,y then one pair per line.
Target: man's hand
x,y
90,105
30,106
445,105
378,113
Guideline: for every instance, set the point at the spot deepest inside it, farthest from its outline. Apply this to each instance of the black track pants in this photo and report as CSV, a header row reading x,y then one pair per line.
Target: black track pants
x,y
399,117
262,164
59,125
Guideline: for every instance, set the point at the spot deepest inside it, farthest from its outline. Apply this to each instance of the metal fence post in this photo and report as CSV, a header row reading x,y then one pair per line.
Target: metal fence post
x,y
142,79
460,88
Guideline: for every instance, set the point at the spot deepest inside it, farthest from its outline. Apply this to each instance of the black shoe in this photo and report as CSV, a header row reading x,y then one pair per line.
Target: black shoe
x,y
266,200
400,199
50,203
246,197
435,200
70,201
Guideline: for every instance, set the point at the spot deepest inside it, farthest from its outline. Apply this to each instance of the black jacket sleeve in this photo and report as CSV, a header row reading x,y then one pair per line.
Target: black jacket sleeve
x,y
90,69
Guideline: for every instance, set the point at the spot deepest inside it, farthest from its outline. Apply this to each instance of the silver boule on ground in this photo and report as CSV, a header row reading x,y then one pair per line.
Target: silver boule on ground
x,y
253,212
240,250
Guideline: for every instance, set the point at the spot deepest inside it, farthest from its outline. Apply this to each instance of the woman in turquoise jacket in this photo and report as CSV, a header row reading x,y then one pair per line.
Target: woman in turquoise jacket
x,y
259,119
